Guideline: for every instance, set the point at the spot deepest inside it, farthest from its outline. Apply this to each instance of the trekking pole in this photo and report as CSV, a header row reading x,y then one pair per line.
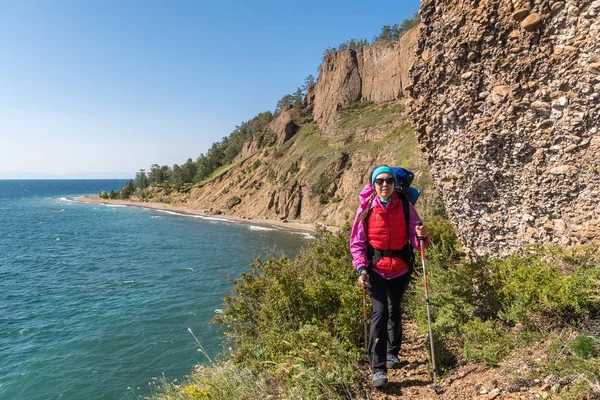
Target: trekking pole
x,y
422,244
365,331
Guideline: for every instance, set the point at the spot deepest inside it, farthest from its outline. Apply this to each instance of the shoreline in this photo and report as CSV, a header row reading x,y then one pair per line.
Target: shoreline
x,y
293,227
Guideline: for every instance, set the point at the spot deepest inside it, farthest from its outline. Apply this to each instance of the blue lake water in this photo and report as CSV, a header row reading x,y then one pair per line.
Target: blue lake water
x,y
97,299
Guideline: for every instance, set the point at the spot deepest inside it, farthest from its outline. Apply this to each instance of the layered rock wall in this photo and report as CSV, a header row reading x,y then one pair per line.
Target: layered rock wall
x,y
506,105
375,73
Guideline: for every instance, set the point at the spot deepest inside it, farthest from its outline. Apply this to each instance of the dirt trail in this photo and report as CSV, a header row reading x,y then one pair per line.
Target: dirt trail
x,y
470,381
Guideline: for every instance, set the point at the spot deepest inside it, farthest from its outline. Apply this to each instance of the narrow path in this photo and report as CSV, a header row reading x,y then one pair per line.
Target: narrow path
x,y
470,381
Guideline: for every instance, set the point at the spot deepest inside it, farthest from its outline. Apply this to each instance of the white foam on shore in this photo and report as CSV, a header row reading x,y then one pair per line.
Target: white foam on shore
x,y
173,213
65,200
305,234
195,216
212,218
260,228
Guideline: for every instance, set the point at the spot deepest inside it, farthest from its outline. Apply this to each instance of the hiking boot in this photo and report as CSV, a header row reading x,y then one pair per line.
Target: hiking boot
x,y
379,379
392,362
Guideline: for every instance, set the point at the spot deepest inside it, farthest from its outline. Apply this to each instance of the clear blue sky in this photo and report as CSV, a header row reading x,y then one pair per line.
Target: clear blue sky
x,y
115,86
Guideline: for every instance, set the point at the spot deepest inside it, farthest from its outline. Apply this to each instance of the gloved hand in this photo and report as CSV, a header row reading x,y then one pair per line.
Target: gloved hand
x,y
363,280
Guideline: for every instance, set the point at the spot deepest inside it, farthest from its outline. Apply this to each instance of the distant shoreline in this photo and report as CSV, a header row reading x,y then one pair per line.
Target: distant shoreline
x,y
264,223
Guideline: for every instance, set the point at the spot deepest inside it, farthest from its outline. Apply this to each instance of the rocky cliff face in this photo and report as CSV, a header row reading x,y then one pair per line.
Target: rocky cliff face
x,y
277,133
311,177
375,73
506,105
313,171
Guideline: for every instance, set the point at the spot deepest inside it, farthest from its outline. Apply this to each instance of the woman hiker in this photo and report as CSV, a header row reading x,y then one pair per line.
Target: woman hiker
x,y
385,227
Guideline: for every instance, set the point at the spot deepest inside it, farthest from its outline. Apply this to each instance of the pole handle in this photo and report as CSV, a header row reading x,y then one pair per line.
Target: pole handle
x,y
421,238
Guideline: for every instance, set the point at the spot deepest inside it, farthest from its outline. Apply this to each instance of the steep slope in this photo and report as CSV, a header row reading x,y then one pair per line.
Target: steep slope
x,y
317,160
506,104
312,177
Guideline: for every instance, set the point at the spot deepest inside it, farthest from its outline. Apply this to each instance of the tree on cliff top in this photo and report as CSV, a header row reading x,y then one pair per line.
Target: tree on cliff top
x,y
309,83
396,31
388,32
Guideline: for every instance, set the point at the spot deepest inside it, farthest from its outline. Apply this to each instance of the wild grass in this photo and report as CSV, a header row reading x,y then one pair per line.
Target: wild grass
x,y
294,326
369,114
491,310
218,172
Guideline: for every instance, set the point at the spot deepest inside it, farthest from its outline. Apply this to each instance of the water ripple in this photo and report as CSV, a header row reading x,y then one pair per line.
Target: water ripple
x,y
107,305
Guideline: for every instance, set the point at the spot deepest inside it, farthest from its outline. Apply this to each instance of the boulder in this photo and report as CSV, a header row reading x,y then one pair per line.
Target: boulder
x,y
530,23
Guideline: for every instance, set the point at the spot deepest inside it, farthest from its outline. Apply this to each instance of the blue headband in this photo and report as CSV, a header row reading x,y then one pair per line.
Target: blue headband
x,y
380,170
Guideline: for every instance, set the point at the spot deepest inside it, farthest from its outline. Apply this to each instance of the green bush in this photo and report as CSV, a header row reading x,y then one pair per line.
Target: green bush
x,y
318,287
546,286
482,341
300,320
453,297
583,346
444,238
536,290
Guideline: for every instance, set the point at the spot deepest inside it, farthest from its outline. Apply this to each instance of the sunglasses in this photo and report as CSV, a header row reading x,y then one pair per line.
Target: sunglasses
x,y
380,181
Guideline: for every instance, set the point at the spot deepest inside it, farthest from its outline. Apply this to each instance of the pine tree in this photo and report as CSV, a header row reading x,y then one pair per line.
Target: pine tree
x,y
127,189
309,83
141,180
189,170
176,179
298,99
386,33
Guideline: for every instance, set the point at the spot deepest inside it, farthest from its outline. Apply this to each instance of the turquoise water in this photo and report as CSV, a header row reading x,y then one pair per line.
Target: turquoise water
x,y
95,299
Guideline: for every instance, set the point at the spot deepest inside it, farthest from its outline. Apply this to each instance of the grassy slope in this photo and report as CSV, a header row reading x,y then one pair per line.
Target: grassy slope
x,y
295,325
326,171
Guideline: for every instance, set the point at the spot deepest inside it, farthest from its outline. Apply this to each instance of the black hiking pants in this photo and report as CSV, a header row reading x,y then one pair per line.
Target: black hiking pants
x,y
386,322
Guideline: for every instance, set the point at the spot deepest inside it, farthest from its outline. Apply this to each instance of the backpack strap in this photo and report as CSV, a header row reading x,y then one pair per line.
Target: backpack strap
x,y
409,255
406,209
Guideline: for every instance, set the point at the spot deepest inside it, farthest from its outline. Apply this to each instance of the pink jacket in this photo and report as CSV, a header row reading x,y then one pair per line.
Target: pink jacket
x,y
358,237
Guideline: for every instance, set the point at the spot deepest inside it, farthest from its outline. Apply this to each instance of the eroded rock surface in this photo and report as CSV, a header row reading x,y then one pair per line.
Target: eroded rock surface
x,y
377,73
506,105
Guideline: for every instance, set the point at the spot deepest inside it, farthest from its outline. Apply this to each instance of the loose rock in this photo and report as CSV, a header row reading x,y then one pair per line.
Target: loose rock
x,y
520,14
594,68
531,22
